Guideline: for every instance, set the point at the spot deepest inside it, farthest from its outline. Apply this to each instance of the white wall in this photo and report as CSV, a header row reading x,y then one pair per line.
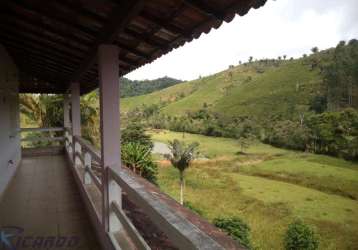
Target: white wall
x,y
10,148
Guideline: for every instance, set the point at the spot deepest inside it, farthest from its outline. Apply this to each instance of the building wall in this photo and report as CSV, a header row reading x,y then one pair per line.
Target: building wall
x,y
10,147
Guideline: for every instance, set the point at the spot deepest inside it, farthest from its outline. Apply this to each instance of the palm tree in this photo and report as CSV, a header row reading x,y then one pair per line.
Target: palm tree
x,y
181,157
33,108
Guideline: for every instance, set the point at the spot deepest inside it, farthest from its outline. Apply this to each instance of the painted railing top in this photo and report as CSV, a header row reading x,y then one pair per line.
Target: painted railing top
x,y
88,147
179,229
42,129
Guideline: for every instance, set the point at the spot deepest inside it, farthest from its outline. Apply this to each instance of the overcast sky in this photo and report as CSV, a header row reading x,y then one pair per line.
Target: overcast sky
x,y
281,27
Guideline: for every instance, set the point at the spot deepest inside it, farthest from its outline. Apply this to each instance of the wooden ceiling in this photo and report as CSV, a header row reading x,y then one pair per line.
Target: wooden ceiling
x,y
55,42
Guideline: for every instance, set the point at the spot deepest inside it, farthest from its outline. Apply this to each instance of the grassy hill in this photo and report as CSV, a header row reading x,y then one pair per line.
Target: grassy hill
x,y
255,89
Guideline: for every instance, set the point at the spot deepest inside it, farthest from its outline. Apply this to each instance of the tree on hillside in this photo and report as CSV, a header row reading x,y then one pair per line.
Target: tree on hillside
x,y
135,133
181,157
245,142
284,57
250,59
245,134
341,76
315,50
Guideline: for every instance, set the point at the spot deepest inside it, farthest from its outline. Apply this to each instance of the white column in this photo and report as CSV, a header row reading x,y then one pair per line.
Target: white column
x,y
66,119
66,111
108,71
75,108
76,119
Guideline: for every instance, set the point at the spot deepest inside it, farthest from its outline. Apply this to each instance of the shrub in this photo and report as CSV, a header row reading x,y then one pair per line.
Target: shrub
x,y
138,158
300,236
236,228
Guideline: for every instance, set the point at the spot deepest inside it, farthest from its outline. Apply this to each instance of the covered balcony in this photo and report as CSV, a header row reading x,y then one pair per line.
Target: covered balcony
x,y
71,196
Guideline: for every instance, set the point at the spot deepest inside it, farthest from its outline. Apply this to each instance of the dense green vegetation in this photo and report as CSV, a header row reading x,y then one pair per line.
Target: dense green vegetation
x,y
135,88
300,236
236,228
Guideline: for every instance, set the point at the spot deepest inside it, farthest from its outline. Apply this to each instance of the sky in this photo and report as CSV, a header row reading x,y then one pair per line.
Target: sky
x,y
281,27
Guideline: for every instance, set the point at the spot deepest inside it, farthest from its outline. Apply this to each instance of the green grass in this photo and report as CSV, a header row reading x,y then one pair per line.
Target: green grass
x,y
209,145
268,188
279,91
308,170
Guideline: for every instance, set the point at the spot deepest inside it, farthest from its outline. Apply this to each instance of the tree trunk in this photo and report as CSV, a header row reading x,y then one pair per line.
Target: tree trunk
x,y
181,188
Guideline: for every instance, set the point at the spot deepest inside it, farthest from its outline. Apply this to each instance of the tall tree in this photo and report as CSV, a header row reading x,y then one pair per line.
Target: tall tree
x,y
181,158
315,50
341,76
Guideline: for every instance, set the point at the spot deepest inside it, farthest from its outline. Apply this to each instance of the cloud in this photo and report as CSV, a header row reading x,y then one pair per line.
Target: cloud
x,y
281,27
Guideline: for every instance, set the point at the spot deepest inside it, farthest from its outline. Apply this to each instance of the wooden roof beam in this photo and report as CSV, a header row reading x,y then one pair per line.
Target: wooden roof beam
x,y
48,67
35,61
42,56
205,9
51,15
119,18
79,10
46,53
15,17
143,38
25,32
38,73
133,51
166,25
41,44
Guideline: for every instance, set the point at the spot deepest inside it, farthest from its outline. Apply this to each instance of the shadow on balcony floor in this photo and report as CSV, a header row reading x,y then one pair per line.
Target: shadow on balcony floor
x,y
43,209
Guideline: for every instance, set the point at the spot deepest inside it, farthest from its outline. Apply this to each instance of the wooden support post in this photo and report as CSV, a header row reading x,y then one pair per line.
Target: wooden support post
x,y
76,120
108,71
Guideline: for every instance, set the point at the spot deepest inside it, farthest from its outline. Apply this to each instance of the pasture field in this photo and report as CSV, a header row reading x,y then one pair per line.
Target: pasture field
x,y
268,188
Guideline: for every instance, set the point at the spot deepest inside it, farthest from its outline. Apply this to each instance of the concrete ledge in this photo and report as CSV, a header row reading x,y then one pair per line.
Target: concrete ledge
x,y
184,228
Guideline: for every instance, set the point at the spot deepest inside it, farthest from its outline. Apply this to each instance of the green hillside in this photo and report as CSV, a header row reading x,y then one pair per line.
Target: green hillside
x,y
254,89
135,87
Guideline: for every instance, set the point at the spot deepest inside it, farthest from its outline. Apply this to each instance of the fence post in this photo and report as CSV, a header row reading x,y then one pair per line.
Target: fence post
x,y
114,195
88,162
78,150
66,139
